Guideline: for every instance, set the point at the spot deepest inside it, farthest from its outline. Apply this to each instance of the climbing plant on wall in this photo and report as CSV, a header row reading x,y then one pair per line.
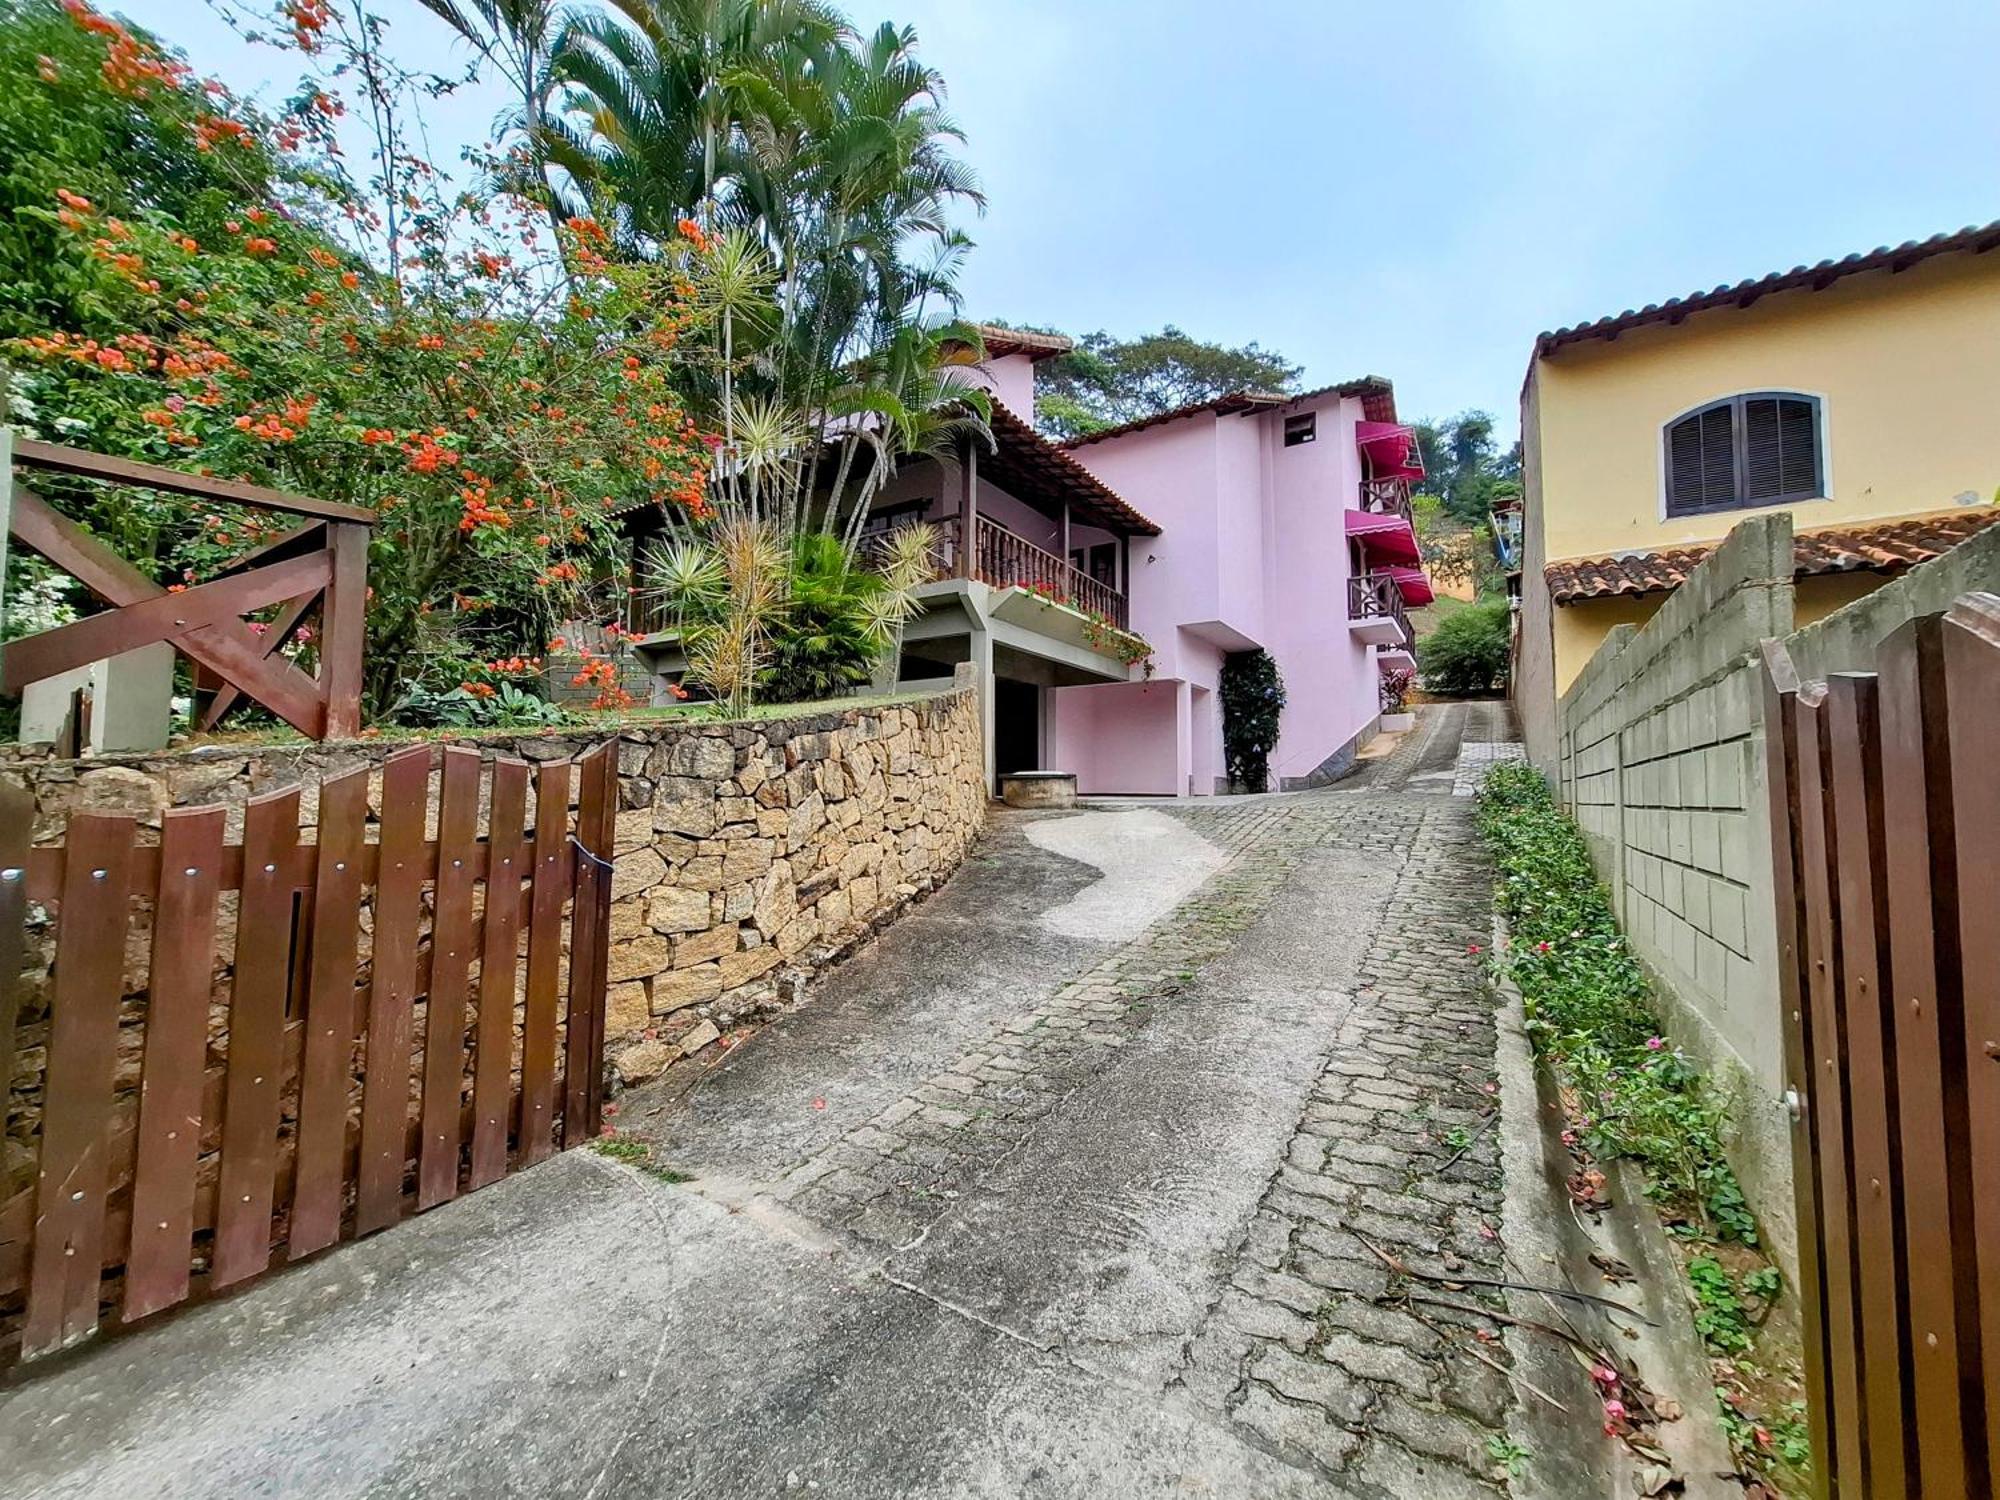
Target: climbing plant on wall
x,y
1253,696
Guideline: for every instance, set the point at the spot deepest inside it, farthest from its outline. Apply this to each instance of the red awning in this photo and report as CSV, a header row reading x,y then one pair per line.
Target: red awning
x,y
1416,588
1391,449
1388,538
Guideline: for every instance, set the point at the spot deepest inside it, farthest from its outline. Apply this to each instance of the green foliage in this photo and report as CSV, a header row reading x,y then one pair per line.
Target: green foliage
x,y
1469,650
1105,381
1590,1010
507,707
1463,465
827,642
1719,1315
1253,700
1508,1454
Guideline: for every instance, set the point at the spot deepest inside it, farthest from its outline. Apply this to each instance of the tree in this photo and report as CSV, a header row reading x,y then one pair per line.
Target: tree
x,y
1105,381
493,414
1469,651
1463,466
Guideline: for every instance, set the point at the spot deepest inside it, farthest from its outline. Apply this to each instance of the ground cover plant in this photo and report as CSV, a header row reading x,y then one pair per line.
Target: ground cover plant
x,y
1631,1093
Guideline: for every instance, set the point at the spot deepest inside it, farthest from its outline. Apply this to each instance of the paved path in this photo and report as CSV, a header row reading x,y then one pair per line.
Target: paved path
x,y
1079,1183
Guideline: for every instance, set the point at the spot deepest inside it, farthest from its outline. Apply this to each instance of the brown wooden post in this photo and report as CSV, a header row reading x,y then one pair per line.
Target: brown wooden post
x,y
968,507
342,630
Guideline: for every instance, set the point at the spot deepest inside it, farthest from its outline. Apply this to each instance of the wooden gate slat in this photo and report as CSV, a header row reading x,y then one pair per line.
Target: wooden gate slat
x,y
385,1103
1818,843
1781,750
264,928
538,1042
1927,1000
493,1047
64,1272
1972,685
451,954
176,1054
1881,1271
17,825
583,1067
326,1077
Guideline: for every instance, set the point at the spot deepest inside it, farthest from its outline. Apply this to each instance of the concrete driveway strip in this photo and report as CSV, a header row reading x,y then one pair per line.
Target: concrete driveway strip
x,y
1072,1185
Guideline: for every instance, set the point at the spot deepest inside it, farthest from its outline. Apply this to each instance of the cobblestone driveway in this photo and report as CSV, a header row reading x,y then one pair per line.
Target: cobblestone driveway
x,y
1309,1343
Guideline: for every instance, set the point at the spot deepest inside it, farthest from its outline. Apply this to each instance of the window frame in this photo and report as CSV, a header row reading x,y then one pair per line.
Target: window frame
x,y
1736,403
1300,429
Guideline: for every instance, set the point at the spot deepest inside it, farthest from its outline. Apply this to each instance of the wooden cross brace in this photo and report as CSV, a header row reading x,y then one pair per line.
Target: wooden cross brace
x,y
202,622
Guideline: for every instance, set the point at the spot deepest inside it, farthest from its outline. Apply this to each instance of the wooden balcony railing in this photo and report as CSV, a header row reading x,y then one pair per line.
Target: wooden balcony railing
x,y
1375,595
1387,497
1000,559
1008,561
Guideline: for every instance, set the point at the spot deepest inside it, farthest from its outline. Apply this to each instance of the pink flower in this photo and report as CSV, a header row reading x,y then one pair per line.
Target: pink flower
x,y
1654,1043
1543,947
1472,948
1614,1410
1604,1375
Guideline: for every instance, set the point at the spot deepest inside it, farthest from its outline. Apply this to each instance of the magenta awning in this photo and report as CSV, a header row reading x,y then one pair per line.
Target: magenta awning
x,y
1416,588
1387,537
1391,449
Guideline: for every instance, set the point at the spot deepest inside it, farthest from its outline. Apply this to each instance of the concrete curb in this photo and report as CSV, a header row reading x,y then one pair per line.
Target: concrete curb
x,y
1548,1241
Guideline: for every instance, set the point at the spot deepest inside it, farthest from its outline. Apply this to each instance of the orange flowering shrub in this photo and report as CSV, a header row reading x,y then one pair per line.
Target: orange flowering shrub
x,y
496,398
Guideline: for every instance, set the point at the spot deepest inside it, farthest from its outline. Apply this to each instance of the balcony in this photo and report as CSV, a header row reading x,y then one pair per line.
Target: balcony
x,y
1003,560
1387,497
1375,612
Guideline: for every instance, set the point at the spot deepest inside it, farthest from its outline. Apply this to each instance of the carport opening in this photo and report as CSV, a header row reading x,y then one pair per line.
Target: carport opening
x,y
1017,726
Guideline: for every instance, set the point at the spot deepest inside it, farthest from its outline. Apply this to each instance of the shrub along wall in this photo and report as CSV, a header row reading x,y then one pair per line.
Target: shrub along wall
x,y
746,854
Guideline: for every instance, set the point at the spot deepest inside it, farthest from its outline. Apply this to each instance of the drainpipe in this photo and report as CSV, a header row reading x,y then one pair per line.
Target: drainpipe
x,y
1065,531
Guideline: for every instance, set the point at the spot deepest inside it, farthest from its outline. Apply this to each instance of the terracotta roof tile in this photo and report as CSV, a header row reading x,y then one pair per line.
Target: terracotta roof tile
x,y
1378,401
1880,546
1975,238
1037,346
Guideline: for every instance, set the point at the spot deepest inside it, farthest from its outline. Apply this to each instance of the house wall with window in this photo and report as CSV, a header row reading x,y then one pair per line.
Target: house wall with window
x,y
1849,398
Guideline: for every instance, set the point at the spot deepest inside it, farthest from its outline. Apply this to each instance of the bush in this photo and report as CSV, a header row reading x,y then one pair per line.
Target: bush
x,y
1468,652
1253,699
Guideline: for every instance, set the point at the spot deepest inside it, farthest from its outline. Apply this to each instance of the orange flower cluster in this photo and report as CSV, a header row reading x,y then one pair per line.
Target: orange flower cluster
x,y
481,509
283,426
212,130
692,233
131,67
426,454
309,18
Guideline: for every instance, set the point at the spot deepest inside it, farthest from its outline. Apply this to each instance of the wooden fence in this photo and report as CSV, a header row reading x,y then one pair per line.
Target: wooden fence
x,y
253,1049
1886,823
321,565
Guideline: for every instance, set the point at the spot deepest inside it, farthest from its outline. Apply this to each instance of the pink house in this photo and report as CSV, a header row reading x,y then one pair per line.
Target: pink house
x,y
1255,520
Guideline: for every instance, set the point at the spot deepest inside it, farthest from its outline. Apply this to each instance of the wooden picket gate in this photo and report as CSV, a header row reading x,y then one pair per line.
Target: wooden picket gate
x,y
1886,820
330,1102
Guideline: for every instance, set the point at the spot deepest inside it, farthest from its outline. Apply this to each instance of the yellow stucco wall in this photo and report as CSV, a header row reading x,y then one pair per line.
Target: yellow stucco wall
x,y
1907,368
1580,629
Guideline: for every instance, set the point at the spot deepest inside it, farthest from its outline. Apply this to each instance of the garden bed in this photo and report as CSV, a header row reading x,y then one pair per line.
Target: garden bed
x,y
1629,1093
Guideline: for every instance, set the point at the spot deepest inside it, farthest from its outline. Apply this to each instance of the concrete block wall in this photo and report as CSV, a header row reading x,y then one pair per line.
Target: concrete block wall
x,y
1661,762
1661,758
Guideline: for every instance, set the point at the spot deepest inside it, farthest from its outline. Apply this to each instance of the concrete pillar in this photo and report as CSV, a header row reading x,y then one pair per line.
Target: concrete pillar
x,y
1183,738
130,699
982,676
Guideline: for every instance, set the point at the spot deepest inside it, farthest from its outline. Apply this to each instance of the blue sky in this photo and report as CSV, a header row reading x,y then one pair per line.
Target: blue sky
x,y
1413,190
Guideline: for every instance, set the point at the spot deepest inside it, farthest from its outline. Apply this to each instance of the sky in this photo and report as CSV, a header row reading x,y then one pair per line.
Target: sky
x,y
1412,190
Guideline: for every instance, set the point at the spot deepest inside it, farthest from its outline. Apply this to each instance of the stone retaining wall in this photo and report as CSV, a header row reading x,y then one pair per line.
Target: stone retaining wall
x,y
747,853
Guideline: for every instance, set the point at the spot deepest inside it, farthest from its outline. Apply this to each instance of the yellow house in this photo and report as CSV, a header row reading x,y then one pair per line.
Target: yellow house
x,y
1862,395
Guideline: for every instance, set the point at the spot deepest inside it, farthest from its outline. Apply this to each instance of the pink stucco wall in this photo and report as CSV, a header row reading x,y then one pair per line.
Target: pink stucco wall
x,y
1123,737
1253,552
